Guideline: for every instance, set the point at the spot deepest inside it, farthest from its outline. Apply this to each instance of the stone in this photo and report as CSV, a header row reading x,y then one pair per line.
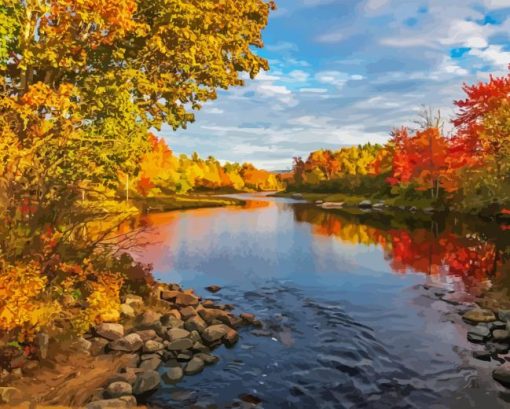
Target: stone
x,y
147,334
195,324
297,196
497,325
365,204
129,343
180,344
97,346
124,402
9,394
501,335
478,315
199,347
184,356
118,389
174,322
212,314
502,374
110,331
497,348
231,337
478,334
195,336
504,315
82,345
187,313
149,320
213,288
146,382
127,375
127,311
43,341
195,366
173,375
214,333
247,317
134,300
208,359
482,355
151,364
180,298
151,346
177,333
144,357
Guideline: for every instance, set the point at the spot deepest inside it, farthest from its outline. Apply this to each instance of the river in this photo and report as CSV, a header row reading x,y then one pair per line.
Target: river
x,y
350,303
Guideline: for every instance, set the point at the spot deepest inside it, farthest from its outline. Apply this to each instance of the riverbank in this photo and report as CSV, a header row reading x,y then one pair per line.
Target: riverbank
x,y
182,202
160,340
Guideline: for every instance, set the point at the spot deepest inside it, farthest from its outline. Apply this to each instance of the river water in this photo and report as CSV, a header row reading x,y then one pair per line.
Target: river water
x,y
350,304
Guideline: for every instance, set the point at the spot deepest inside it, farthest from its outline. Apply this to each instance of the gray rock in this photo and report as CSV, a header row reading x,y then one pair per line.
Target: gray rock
x,y
110,331
297,196
149,320
177,333
187,313
184,356
214,333
478,334
118,389
195,336
502,374
497,348
501,335
497,325
504,315
129,343
151,346
482,355
125,402
173,375
146,382
365,204
195,323
151,364
195,366
198,346
180,344
147,334
208,359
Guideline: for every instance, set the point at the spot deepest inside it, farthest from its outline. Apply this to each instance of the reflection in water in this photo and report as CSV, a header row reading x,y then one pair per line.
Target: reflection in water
x,y
452,251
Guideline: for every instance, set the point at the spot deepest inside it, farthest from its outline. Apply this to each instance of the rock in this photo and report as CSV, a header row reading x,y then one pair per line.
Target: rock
x,y
213,288
43,341
144,357
127,375
478,334
379,205
184,357
208,359
297,196
151,346
214,333
110,331
504,315
501,335
9,394
479,315
127,311
134,301
195,366
177,333
118,389
231,337
212,314
124,402
365,204
146,382
151,364
147,334
187,313
497,325
173,375
97,346
129,343
180,344
332,205
174,322
82,345
198,346
319,202
180,298
195,324
497,348
149,320
482,355
502,374
195,336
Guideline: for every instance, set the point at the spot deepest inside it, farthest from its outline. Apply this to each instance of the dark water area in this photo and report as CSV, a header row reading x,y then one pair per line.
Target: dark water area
x,y
349,302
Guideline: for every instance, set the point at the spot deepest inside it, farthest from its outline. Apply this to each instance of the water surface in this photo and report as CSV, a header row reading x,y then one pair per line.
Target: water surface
x,y
348,321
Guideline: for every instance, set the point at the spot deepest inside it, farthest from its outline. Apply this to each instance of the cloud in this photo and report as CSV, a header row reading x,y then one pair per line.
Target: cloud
x,y
493,54
333,37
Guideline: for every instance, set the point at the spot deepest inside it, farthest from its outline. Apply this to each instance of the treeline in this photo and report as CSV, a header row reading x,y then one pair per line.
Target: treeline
x,y
162,172
466,170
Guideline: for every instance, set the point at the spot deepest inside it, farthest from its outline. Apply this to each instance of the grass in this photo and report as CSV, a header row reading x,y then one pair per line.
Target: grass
x,y
182,202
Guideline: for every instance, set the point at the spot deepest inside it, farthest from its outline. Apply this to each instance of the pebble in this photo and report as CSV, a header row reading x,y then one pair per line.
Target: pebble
x,y
195,366
173,375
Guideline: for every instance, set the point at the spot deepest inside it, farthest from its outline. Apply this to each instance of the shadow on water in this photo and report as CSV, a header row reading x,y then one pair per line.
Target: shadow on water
x,y
347,320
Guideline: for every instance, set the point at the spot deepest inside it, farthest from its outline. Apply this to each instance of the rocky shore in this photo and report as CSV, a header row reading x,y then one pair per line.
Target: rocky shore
x,y
160,340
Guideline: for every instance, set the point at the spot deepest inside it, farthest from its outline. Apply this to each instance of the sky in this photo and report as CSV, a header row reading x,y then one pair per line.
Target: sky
x,y
346,72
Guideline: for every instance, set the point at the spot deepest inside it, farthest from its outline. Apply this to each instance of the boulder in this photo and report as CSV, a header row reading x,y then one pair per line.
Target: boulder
x,y
208,359
180,298
297,196
180,344
365,204
199,347
173,375
195,336
110,331
118,389
127,311
213,289
482,355
231,337
187,313
151,364
501,335
149,320
502,374
147,334
504,315
184,356
497,348
129,343
215,333
479,315
124,402
97,346
332,205
195,324
478,334
210,315
195,366
177,333
497,325
151,346
134,301
146,382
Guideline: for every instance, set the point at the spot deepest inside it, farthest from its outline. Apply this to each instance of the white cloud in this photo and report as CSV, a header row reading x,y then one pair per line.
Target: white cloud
x,y
333,37
298,75
313,90
493,54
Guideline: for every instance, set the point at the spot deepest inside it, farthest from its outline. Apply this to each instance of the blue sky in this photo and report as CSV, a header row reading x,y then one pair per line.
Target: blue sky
x,y
346,72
